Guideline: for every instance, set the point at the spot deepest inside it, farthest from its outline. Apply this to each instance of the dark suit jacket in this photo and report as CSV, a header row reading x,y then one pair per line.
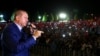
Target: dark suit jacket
x,y
15,42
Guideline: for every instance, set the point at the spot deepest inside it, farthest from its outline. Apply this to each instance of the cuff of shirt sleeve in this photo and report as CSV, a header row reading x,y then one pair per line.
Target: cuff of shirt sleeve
x,y
34,37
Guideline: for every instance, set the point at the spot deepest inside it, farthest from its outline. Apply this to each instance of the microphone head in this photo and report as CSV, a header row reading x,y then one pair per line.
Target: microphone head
x,y
29,24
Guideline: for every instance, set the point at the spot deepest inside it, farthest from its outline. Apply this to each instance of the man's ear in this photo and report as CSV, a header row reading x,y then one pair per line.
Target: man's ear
x,y
17,18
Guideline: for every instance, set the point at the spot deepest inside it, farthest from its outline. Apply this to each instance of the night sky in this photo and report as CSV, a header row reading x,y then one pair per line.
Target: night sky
x,y
50,6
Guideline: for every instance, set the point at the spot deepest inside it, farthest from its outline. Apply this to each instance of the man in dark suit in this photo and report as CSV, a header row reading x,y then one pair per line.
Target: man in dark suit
x,y
14,41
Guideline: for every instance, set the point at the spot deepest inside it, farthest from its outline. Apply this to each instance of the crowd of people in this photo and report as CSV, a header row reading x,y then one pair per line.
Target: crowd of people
x,y
78,37
75,35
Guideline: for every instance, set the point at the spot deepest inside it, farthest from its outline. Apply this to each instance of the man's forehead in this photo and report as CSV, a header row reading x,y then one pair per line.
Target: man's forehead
x,y
24,14
20,12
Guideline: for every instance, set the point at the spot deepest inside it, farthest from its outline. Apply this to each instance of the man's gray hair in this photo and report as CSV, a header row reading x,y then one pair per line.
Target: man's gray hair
x,y
16,13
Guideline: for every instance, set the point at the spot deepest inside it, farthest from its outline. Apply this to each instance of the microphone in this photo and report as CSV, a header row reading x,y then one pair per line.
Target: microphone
x,y
29,24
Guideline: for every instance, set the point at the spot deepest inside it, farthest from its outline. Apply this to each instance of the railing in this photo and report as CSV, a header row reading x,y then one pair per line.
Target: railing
x,y
43,50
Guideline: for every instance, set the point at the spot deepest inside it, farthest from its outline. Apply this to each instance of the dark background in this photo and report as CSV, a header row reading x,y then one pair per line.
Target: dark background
x,y
50,6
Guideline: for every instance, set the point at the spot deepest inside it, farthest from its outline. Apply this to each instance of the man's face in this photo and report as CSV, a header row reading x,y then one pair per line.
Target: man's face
x,y
23,19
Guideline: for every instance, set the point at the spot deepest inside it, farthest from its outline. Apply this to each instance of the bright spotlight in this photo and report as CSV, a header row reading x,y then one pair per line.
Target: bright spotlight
x,y
39,17
1,16
62,15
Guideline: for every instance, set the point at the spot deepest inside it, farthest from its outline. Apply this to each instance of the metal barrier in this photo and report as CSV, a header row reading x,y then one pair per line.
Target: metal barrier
x,y
43,50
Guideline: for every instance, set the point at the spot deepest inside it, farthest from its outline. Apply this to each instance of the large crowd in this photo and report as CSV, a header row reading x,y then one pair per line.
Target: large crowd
x,y
75,35
79,37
